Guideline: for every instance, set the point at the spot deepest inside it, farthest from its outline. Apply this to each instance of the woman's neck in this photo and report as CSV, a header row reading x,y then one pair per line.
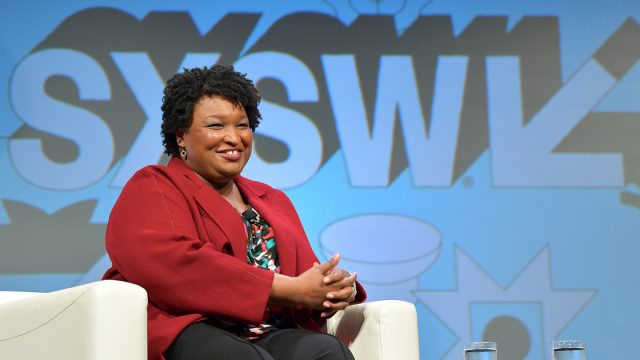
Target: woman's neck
x,y
232,194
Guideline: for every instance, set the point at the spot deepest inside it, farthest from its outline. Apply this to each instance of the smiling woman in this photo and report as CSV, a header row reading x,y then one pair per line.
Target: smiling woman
x,y
225,261
218,143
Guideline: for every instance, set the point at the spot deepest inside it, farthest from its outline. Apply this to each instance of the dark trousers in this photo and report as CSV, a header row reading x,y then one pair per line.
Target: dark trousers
x,y
202,341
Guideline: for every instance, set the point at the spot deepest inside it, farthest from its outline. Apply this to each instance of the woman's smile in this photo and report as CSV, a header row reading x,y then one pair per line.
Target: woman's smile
x,y
231,155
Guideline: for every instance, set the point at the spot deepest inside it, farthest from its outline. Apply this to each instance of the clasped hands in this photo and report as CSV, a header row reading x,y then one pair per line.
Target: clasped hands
x,y
338,286
323,287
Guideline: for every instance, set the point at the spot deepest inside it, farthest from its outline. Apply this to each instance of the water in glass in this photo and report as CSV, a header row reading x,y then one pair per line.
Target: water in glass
x,y
570,353
481,354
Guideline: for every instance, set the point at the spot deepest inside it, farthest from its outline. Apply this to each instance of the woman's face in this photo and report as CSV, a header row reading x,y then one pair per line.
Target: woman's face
x,y
218,142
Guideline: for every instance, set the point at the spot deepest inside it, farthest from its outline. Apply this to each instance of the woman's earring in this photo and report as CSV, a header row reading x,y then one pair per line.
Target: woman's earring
x,y
183,153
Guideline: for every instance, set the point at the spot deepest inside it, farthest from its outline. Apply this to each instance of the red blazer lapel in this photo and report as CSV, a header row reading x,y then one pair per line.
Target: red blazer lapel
x,y
218,209
226,217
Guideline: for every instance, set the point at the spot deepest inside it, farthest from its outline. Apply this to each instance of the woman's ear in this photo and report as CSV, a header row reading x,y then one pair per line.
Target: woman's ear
x,y
180,138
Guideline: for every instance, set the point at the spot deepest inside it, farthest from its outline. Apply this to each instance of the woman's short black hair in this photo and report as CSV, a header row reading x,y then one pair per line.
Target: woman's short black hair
x,y
185,89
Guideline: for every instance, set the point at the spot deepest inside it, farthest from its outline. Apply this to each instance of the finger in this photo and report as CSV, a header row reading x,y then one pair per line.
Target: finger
x,y
329,264
325,314
343,282
340,305
334,275
352,279
354,290
343,294
337,275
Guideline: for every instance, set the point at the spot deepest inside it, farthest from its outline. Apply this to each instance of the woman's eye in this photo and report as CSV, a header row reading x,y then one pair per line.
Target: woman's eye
x,y
215,126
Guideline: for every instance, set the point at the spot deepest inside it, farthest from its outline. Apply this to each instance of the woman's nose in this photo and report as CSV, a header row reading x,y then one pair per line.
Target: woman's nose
x,y
231,137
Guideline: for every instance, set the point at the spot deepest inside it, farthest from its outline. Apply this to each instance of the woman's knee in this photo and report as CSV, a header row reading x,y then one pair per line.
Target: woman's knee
x,y
203,341
295,344
329,347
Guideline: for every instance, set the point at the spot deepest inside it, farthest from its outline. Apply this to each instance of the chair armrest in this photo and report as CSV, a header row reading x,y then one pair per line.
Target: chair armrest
x,y
9,296
379,330
97,321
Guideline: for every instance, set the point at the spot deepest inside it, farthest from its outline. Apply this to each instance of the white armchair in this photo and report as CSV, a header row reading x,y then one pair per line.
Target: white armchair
x,y
378,330
104,320
107,320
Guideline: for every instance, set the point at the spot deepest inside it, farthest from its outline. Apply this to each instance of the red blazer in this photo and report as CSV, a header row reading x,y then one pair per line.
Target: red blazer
x,y
179,239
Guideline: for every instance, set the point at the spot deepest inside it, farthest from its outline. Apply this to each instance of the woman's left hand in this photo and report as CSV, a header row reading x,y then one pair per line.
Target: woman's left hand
x,y
340,299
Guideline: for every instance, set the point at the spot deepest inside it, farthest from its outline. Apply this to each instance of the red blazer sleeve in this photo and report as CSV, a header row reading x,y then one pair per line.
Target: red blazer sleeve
x,y
153,241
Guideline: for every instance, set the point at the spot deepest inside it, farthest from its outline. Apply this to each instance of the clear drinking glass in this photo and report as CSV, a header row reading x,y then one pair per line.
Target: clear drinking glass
x,y
480,350
569,350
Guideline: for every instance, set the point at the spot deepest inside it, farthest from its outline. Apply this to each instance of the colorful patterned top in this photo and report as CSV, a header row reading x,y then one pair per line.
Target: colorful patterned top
x,y
262,253
261,247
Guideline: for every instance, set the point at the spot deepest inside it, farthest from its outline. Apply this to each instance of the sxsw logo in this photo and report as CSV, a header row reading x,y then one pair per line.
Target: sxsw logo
x,y
89,96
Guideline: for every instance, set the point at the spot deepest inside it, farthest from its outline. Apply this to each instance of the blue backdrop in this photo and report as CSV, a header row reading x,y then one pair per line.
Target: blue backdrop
x,y
477,158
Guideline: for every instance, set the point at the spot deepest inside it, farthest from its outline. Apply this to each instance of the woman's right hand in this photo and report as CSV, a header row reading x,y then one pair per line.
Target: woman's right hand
x,y
307,289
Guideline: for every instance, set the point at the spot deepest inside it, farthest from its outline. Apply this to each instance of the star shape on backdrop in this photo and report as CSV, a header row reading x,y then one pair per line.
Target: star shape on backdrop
x,y
474,284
